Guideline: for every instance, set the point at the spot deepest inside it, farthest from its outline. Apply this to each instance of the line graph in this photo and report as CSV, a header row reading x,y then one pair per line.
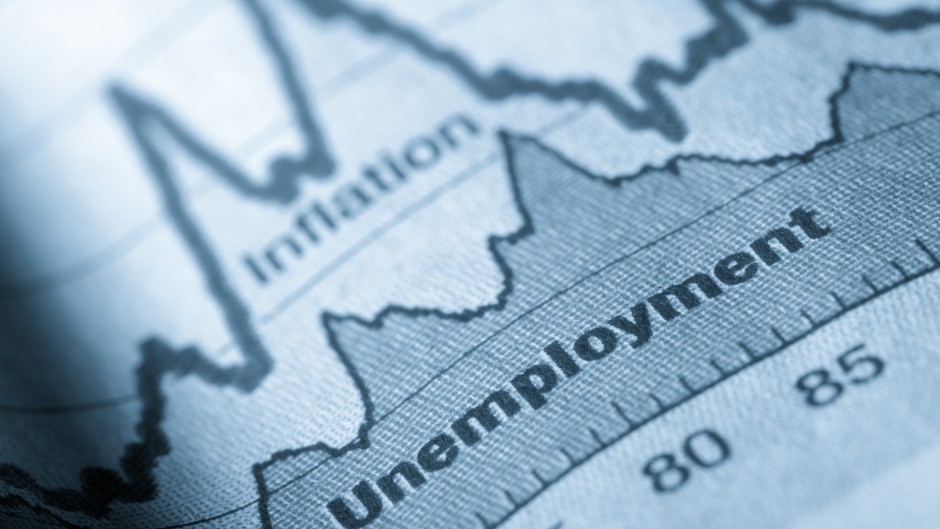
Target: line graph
x,y
100,487
655,112
500,247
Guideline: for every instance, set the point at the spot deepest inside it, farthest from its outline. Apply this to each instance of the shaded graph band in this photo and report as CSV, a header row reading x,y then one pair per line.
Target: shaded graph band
x,y
724,374
410,426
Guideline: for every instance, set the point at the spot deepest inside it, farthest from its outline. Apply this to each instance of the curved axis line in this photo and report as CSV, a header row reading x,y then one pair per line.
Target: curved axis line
x,y
835,141
725,375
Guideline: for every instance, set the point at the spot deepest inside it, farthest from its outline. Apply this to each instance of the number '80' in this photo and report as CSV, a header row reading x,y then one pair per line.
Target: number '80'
x,y
704,449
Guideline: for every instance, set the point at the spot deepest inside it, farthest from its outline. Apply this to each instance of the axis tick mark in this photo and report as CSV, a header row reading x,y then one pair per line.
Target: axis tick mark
x,y
839,301
808,318
512,500
540,479
717,366
748,351
897,266
623,415
923,247
659,404
568,455
597,437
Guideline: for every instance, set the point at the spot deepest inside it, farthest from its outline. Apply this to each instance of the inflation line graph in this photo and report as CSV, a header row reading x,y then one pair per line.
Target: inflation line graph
x,y
144,119
654,113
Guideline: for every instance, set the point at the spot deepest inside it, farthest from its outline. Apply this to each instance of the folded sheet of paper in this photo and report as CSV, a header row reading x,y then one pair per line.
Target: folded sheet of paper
x,y
469,264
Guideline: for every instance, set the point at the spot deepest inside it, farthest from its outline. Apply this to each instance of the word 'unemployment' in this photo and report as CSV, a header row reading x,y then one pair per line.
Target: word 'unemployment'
x,y
534,384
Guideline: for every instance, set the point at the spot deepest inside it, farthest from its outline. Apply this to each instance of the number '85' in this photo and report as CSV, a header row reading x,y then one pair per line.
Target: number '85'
x,y
820,387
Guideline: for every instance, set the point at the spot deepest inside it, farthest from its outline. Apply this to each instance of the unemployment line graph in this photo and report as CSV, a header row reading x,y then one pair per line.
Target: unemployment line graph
x,y
145,120
416,338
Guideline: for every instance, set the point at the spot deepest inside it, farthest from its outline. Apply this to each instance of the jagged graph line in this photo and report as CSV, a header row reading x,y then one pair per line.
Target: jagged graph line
x,y
144,119
497,244
655,113
493,245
